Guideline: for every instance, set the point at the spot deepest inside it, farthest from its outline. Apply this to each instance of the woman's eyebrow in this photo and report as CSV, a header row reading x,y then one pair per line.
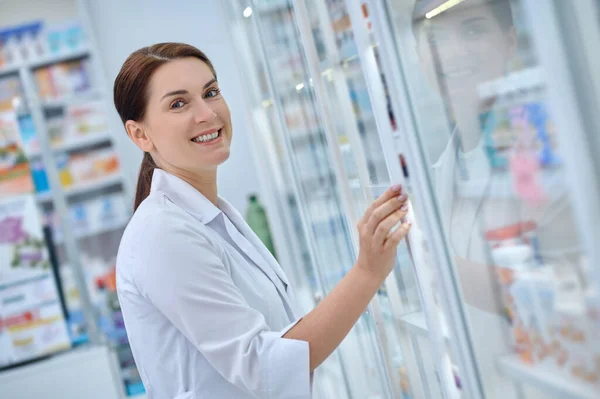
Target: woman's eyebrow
x,y
174,93
180,92
210,82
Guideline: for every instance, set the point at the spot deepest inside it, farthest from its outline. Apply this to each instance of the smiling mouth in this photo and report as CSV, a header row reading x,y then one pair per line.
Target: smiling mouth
x,y
207,138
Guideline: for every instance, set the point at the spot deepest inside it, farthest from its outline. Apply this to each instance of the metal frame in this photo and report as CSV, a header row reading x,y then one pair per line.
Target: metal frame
x,y
377,97
289,157
100,78
453,304
312,58
564,94
270,175
60,202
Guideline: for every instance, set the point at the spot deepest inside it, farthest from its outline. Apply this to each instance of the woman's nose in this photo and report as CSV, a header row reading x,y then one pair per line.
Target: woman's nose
x,y
204,113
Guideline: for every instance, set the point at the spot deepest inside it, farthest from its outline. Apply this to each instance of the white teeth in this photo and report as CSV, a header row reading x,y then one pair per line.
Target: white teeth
x,y
206,137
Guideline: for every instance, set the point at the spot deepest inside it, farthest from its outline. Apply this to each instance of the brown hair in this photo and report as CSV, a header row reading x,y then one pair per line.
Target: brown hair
x,y
131,94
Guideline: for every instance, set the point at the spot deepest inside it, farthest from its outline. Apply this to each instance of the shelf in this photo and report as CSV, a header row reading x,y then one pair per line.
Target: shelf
x,y
56,58
75,98
85,141
98,184
501,185
525,80
118,225
76,144
551,383
83,188
22,281
9,70
416,324
44,61
274,5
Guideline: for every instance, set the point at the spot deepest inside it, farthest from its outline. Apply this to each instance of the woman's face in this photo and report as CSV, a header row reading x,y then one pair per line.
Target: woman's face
x,y
471,48
187,125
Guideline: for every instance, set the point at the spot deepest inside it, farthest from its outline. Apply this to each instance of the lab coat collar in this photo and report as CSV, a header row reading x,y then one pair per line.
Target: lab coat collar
x,y
192,201
184,195
257,250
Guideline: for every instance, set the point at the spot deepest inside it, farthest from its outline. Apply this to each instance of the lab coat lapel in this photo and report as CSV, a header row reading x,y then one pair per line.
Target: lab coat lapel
x,y
250,243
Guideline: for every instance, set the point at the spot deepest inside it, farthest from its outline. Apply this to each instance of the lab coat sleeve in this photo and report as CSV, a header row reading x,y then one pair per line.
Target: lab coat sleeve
x,y
183,276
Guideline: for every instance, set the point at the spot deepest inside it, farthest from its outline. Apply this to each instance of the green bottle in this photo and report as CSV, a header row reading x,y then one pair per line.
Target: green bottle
x,y
258,222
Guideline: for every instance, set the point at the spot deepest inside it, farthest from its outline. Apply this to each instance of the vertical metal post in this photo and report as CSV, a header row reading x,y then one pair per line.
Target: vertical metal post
x,y
377,97
312,59
571,128
289,157
428,214
59,201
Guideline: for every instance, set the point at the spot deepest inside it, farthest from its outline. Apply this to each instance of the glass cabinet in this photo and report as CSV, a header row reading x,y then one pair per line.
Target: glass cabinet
x,y
477,107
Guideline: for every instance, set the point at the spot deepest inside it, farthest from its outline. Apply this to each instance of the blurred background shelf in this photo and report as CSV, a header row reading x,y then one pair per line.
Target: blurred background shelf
x,y
87,187
88,140
57,58
115,226
552,384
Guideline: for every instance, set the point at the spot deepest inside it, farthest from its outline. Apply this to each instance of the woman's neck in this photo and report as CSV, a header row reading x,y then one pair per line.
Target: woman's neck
x,y
205,182
466,117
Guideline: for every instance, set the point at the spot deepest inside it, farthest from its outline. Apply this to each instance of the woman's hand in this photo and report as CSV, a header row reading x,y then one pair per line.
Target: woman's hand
x,y
378,243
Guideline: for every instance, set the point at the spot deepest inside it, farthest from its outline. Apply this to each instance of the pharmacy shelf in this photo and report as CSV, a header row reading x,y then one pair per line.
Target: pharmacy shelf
x,y
274,6
98,184
88,140
118,225
75,98
9,70
513,83
500,186
83,188
57,58
416,324
551,383
44,61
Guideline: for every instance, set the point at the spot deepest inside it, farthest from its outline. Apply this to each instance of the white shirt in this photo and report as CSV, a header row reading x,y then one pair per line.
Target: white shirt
x,y
205,304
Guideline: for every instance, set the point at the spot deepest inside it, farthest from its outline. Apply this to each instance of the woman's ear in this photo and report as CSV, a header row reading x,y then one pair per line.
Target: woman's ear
x,y
138,135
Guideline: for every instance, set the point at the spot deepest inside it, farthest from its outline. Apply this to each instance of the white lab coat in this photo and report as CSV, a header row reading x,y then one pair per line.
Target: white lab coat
x,y
205,304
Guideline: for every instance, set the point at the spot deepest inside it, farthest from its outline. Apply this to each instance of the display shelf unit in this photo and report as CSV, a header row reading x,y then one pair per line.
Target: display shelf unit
x,y
550,383
85,188
75,98
501,185
77,144
117,225
513,83
36,104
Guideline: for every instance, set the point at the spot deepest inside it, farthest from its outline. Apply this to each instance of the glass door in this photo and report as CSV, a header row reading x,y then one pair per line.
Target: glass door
x,y
490,130
290,123
343,58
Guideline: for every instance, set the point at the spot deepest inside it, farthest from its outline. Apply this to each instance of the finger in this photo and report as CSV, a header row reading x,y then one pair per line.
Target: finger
x,y
384,228
390,193
394,239
385,210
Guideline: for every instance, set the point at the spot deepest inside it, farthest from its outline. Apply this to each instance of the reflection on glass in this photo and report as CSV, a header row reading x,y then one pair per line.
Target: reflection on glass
x,y
403,338
501,193
288,96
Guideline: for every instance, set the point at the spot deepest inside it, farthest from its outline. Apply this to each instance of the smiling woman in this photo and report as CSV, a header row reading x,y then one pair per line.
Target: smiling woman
x,y
208,310
177,104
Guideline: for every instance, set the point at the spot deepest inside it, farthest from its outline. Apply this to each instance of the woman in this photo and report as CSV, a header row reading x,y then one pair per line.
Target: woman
x,y
208,310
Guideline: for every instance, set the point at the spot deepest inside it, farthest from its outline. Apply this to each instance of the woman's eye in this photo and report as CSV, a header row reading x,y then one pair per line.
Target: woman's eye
x,y
177,104
212,93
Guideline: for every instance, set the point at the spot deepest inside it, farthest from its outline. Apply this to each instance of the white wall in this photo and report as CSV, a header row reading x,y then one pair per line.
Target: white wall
x,y
122,27
15,12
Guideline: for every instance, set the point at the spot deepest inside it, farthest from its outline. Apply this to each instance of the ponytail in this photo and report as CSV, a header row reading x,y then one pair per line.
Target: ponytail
x,y
144,180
